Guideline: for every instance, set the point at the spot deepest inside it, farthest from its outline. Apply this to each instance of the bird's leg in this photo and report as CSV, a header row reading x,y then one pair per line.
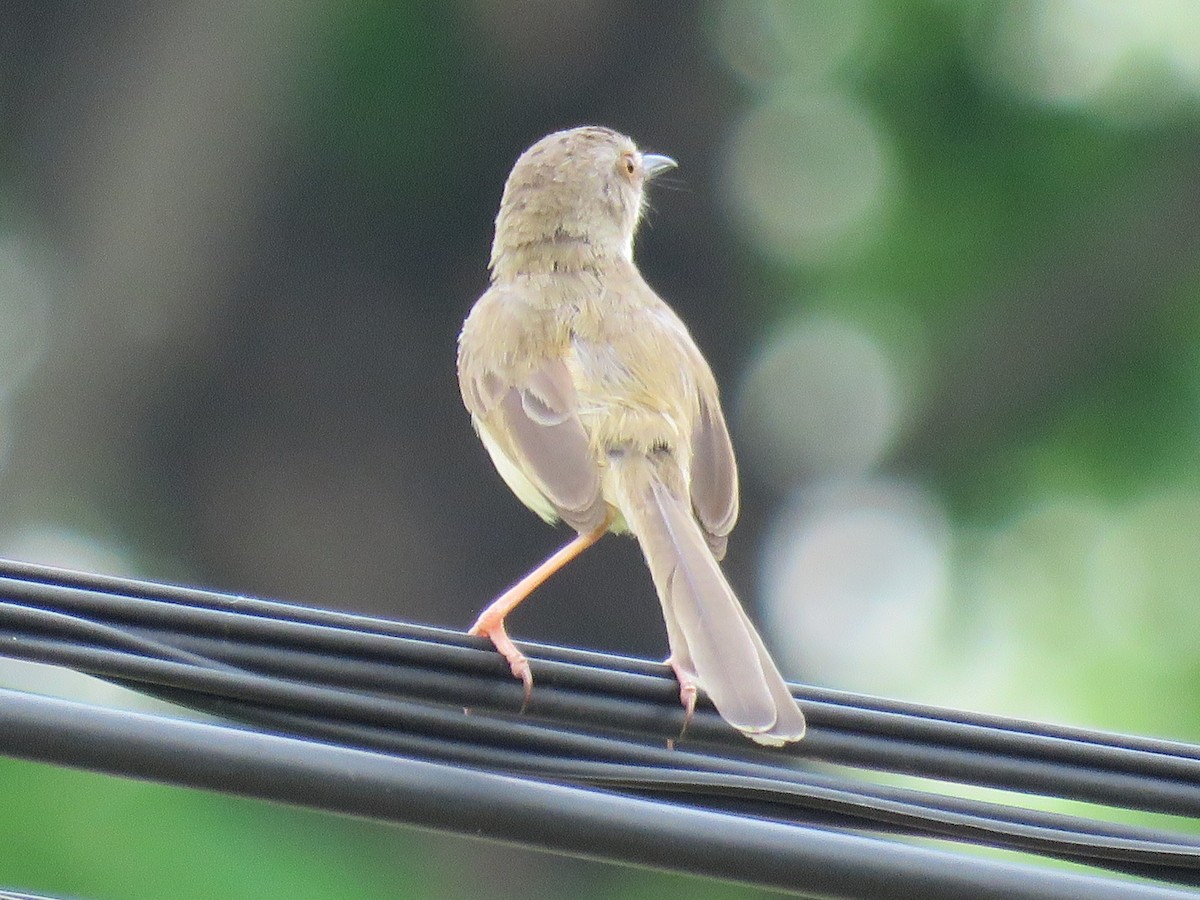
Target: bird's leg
x,y
490,623
688,691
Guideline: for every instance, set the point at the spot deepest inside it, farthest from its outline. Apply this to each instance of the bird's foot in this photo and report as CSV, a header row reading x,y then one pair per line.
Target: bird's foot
x,y
492,627
688,691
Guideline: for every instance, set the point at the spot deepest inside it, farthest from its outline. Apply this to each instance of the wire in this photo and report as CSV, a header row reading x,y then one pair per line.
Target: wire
x,y
533,812
596,722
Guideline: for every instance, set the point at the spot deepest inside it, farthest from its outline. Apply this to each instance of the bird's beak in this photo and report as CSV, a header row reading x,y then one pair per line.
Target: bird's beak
x,y
656,164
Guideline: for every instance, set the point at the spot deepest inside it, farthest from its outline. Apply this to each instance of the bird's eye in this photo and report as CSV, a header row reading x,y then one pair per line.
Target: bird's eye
x,y
629,164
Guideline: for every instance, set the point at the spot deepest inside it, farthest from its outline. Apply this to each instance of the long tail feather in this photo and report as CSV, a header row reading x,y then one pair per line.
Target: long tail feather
x,y
709,631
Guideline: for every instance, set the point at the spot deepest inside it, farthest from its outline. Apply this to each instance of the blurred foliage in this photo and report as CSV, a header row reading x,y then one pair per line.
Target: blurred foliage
x,y
84,835
384,78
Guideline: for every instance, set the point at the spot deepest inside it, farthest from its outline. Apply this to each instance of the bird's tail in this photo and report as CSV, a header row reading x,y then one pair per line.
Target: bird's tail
x,y
709,632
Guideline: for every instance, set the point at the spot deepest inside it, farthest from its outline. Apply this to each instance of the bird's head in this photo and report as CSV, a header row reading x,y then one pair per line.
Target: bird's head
x,y
580,189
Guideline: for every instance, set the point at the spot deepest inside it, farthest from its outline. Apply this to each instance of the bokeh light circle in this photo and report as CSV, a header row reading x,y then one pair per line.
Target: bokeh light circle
x,y
855,578
809,175
820,399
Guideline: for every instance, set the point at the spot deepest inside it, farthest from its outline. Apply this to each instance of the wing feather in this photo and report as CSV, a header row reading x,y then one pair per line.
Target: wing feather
x,y
714,481
529,420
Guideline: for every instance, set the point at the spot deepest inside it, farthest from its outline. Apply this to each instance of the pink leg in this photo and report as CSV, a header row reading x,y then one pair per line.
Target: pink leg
x,y
687,694
491,621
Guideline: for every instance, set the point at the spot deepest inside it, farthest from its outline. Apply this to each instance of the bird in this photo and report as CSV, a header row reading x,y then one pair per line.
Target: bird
x,y
598,410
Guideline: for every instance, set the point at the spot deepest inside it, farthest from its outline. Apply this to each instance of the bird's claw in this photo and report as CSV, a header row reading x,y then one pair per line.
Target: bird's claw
x,y
518,663
688,692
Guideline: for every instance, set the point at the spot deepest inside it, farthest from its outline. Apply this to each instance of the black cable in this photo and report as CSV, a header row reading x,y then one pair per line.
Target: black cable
x,y
805,798
578,821
1157,776
600,721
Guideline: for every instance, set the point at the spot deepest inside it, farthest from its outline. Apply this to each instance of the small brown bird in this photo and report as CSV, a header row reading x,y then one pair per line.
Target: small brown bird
x,y
598,409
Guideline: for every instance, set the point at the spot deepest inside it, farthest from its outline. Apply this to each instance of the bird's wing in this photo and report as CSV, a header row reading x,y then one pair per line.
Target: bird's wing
x,y
529,422
713,473
714,480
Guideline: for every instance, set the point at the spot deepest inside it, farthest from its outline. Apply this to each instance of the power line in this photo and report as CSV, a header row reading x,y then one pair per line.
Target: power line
x,y
332,702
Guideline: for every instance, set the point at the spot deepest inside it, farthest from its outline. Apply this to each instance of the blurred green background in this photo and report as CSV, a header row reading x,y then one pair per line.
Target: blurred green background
x,y
942,255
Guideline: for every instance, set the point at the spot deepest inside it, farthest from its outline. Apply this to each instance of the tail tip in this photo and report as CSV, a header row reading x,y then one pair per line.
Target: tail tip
x,y
781,733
